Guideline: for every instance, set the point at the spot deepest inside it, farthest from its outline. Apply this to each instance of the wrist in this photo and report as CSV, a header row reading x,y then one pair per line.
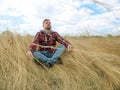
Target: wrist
x,y
29,51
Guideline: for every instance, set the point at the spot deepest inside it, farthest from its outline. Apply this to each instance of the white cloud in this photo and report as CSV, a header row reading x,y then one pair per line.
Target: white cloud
x,y
5,21
66,16
77,3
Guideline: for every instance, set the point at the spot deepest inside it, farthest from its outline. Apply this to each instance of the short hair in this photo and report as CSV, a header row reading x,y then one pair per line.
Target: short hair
x,y
46,20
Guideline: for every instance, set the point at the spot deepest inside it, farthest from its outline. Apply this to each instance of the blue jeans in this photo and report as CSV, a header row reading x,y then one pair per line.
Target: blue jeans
x,y
46,56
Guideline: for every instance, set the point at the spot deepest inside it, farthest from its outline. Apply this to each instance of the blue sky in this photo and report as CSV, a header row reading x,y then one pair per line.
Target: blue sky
x,y
76,17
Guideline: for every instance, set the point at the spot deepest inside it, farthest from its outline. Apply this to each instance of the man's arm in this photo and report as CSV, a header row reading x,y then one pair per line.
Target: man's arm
x,y
32,47
64,42
36,40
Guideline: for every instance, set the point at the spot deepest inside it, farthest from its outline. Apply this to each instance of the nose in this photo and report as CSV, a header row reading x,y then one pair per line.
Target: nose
x,y
48,23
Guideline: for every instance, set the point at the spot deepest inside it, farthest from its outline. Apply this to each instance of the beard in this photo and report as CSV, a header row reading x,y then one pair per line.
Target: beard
x,y
48,28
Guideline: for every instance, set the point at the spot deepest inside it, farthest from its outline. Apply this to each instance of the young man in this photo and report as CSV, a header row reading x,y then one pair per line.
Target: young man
x,y
43,46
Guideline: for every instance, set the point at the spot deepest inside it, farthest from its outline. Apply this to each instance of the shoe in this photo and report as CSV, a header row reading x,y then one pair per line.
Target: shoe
x,y
59,61
48,64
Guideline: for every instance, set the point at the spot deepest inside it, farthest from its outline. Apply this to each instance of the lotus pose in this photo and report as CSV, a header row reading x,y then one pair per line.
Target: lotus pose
x,y
43,46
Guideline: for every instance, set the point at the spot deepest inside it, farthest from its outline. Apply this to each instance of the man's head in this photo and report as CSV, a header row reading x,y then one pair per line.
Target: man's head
x,y
47,24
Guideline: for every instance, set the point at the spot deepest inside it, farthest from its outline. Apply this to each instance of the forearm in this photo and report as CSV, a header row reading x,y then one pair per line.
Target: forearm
x,y
32,47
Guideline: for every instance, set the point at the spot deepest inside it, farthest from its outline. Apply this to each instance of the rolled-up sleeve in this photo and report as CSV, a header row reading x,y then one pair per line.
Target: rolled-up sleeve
x,y
36,40
62,40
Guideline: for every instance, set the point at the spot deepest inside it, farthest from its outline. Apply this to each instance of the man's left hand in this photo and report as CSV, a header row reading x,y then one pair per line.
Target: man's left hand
x,y
69,48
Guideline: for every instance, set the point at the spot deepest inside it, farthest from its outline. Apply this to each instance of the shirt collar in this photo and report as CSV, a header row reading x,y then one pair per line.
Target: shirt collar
x,y
46,33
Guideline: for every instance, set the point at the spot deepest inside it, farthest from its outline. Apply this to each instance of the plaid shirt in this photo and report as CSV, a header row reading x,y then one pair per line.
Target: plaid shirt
x,y
42,38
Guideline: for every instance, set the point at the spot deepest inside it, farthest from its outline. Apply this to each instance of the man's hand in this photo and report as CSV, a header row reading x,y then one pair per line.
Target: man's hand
x,y
29,54
69,48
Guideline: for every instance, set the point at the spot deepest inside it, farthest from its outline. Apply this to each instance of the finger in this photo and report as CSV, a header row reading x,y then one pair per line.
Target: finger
x,y
68,49
30,55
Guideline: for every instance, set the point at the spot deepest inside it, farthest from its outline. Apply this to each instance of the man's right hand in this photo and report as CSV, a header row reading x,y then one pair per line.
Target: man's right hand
x,y
29,54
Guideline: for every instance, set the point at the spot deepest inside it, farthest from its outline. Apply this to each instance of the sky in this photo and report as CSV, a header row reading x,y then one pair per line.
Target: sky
x,y
68,17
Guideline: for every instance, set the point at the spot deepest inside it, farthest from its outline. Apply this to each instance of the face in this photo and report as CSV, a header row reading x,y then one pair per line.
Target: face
x,y
47,25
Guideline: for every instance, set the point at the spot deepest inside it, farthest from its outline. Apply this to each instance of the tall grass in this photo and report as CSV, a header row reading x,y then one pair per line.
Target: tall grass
x,y
94,64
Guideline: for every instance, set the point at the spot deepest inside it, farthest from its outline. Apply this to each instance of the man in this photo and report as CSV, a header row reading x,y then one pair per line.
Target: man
x,y
43,46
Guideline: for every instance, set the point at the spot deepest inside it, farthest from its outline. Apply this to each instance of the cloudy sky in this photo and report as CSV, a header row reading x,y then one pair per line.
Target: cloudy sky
x,y
73,17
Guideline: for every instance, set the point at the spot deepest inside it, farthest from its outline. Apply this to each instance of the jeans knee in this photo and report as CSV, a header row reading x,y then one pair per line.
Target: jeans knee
x,y
35,54
62,46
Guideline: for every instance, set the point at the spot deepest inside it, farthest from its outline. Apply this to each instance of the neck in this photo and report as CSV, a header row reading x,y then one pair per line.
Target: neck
x,y
47,31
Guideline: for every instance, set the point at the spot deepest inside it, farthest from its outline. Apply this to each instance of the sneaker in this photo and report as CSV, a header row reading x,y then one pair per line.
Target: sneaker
x,y
48,64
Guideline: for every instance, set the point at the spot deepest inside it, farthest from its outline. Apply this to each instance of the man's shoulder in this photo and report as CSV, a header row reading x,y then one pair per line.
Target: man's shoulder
x,y
40,32
54,32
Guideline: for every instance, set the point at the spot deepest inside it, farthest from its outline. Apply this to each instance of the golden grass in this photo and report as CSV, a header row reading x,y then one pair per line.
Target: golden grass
x,y
94,64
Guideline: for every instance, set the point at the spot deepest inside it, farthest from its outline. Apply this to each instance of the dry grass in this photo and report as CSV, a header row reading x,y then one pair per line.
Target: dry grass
x,y
94,64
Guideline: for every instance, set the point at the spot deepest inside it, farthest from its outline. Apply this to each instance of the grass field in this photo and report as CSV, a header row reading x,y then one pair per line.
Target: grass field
x,y
94,64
